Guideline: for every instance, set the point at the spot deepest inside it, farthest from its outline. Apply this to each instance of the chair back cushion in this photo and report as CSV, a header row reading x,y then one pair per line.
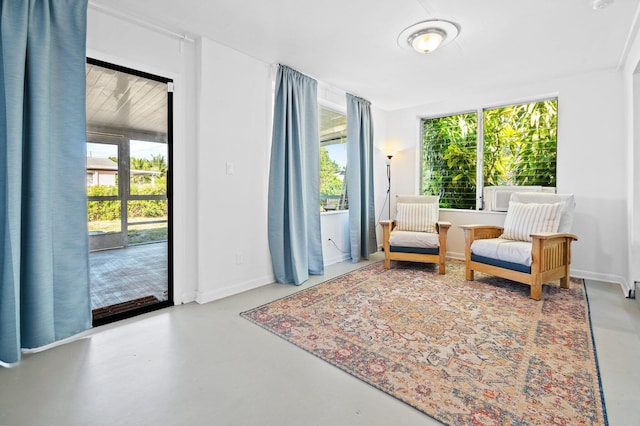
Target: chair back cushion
x,y
524,219
566,216
418,199
417,217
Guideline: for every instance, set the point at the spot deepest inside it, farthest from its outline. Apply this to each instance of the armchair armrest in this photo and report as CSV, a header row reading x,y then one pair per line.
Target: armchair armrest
x,y
442,227
387,227
551,235
551,251
478,232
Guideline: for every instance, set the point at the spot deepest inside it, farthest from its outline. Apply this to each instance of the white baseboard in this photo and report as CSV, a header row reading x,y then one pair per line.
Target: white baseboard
x,y
186,297
453,255
609,278
336,259
219,293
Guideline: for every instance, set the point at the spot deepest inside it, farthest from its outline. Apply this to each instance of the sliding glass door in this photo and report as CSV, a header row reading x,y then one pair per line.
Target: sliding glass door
x,y
128,187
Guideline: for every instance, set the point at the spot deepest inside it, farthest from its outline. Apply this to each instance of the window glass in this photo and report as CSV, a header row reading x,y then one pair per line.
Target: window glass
x,y
147,215
102,169
148,168
147,221
449,159
104,217
520,144
333,160
517,147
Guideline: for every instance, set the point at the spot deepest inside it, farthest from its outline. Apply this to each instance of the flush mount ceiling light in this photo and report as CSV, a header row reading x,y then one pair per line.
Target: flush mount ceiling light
x,y
427,36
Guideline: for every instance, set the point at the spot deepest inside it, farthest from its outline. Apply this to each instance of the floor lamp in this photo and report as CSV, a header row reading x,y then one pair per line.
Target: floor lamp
x,y
389,182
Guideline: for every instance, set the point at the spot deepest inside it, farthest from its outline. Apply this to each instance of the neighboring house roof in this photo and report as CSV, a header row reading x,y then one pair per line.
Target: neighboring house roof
x,y
97,163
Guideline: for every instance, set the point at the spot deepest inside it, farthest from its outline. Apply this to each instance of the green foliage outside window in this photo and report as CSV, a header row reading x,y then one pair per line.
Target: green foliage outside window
x,y
519,148
449,160
110,209
330,183
157,164
333,161
140,185
103,210
520,144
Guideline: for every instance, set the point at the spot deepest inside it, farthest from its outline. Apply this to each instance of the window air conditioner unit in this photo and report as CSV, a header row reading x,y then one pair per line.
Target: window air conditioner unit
x,y
496,198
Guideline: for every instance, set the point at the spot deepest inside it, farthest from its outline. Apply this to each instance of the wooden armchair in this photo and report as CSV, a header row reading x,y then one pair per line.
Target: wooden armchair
x,y
534,258
416,235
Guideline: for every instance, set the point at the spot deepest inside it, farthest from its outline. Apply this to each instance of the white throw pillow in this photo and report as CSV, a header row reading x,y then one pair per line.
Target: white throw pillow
x,y
417,217
524,219
566,212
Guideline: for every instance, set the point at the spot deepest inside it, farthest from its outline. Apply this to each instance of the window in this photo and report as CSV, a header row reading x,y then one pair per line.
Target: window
x,y
333,160
515,145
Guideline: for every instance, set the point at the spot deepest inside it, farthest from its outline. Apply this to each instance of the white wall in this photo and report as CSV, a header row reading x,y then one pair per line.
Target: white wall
x,y
335,226
631,71
234,98
116,40
591,163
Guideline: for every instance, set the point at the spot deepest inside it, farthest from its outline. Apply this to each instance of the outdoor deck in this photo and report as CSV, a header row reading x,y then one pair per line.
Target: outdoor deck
x,y
121,275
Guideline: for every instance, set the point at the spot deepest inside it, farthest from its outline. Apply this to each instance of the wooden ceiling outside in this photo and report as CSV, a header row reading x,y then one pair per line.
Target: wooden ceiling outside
x,y
333,127
124,104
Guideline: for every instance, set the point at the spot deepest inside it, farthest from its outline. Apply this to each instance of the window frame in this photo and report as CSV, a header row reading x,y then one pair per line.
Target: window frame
x,y
342,110
480,112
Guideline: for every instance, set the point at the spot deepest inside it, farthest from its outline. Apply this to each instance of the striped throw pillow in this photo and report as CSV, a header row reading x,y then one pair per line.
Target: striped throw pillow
x,y
524,219
417,217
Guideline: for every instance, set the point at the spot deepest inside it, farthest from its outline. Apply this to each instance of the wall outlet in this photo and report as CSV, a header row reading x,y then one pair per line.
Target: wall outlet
x,y
230,168
239,258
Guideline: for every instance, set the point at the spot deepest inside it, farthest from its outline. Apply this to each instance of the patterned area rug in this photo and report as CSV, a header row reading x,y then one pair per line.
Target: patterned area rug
x,y
480,352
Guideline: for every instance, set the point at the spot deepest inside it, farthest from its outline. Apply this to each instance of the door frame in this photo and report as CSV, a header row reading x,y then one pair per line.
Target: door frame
x,y
124,145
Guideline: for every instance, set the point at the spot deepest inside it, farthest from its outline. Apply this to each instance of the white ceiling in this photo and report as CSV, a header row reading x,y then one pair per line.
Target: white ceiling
x,y
352,44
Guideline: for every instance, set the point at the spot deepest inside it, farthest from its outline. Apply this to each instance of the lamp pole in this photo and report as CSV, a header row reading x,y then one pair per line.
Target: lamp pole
x,y
389,182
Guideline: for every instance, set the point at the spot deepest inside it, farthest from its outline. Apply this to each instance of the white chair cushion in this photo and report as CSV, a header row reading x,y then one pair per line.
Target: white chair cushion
x,y
418,217
414,239
505,250
568,208
524,219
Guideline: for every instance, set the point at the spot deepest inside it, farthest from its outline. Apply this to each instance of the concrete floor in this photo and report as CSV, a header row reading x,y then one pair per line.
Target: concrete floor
x,y
205,365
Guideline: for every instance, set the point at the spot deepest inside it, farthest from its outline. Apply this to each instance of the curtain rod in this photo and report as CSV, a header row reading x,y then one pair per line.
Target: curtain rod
x,y
136,20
